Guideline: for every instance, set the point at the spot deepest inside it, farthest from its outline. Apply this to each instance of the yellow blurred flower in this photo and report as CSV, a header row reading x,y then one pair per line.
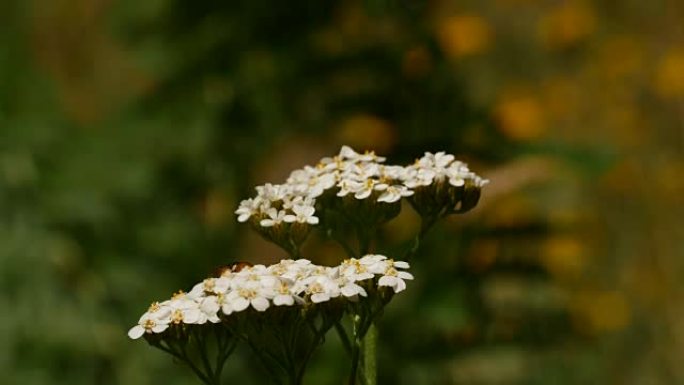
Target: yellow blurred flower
x,y
598,311
567,24
364,131
464,35
621,56
562,97
520,116
669,79
511,211
563,256
669,180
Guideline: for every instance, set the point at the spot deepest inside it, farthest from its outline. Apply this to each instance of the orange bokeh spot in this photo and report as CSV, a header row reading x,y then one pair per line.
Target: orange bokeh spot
x,y
364,131
567,24
464,35
520,116
669,80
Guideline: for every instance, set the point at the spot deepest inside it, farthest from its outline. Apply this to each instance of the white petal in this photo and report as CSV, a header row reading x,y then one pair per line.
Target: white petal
x,y
136,332
209,305
281,300
240,304
400,286
289,218
404,275
192,316
363,194
387,280
260,303
456,182
401,264
158,328
349,290
320,297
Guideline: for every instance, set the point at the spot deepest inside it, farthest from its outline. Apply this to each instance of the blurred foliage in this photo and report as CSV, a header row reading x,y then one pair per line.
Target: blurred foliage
x,y
130,130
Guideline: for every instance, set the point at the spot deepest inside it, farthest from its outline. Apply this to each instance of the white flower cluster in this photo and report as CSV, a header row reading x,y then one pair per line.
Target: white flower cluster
x,y
351,174
287,283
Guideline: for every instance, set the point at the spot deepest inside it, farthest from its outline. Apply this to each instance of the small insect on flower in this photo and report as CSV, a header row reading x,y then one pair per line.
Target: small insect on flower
x,y
234,267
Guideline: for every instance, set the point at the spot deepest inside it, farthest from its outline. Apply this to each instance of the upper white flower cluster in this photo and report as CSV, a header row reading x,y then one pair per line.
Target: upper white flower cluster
x,y
286,283
351,174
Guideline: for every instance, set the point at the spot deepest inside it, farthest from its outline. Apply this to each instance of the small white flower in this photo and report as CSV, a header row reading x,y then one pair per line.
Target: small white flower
x,y
457,173
394,193
321,288
284,295
353,270
248,207
275,217
250,293
374,263
442,159
395,278
366,188
155,320
302,214
209,308
347,186
350,289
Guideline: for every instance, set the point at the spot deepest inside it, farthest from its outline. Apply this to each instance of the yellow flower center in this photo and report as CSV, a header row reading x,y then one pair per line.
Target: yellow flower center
x,y
153,307
149,324
315,288
177,317
247,293
209,284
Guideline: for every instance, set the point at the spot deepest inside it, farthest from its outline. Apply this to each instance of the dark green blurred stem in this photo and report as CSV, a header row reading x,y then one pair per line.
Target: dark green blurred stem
x,y
180,353
203,350
355,349
369,347
343,337
426,223
353,373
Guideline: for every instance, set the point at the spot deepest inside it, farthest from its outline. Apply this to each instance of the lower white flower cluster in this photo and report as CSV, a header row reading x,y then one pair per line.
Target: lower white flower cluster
x,y
287,283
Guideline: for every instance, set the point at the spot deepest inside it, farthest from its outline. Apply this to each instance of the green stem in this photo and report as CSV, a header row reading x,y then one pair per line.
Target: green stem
x,y
355,363
425,226
343,337
369,346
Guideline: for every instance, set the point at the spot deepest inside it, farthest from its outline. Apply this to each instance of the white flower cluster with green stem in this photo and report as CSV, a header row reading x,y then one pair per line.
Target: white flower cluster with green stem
x,y
347,197
287,283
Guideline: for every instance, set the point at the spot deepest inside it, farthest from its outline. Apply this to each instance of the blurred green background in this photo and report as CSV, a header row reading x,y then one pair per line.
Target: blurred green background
x,y
130,130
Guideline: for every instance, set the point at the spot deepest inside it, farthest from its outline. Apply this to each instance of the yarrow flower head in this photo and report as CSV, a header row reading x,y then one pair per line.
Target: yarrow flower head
x,y
363,176
287,283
